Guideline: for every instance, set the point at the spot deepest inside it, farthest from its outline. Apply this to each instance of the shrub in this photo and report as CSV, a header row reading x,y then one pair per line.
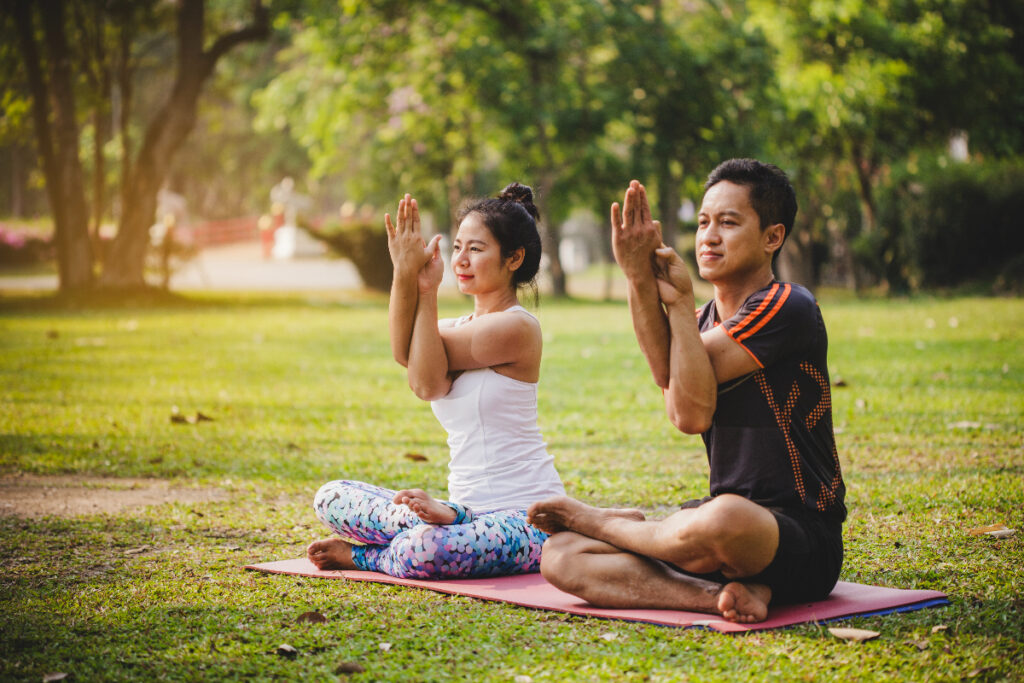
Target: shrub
x,y
959,222
20,249
366,245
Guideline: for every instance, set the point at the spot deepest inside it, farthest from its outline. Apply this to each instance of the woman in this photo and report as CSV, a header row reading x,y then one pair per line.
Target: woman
x,y
480,373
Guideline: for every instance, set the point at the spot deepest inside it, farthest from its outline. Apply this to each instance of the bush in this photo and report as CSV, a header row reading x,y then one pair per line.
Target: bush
x,y
366,245
20,249
959,222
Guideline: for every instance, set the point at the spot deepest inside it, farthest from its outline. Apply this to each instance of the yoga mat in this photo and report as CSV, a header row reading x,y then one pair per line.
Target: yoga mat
x,y
532,590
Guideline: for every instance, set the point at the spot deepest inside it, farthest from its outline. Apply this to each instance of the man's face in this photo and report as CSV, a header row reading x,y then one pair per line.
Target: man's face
x,y
730,242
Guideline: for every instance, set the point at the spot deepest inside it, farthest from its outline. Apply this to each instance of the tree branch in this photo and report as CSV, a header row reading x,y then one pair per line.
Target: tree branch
x,y
259,29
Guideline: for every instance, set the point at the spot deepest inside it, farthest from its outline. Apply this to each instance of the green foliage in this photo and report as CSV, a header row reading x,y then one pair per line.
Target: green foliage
x,y
954,222
361,101
928,427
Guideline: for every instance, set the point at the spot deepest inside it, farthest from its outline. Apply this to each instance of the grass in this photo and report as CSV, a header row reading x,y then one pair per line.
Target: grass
x,y
303,389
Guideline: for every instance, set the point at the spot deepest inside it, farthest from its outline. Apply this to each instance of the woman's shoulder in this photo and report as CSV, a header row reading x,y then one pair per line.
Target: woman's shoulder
x,y
518,318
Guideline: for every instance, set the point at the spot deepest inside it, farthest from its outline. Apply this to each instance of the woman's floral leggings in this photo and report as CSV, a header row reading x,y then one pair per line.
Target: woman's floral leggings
x,y
398,543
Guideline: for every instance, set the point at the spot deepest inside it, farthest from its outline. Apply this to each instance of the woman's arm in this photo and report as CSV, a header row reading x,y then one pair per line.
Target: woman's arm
x,y
401,313
408,256
508,339
428,362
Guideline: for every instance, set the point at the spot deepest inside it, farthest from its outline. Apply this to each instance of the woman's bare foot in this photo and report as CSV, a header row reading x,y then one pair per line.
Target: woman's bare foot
x,y
427,508
330,553
744,603
562,513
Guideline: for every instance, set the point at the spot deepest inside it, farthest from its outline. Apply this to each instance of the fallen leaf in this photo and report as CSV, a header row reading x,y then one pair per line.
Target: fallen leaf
x,y
415,457
136,551
1001,533
178,419
609,636
286,650
940,627
384,647
857,635
349,668
978,672
523,678
312,618
203,418
921,645
55,676
978,531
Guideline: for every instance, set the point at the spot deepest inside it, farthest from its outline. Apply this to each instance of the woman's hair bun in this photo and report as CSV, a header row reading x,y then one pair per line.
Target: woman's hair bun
x,y
522,194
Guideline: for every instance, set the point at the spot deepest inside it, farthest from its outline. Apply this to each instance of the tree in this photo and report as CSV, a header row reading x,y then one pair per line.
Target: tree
x,y
450,99
862,85
81,38
56,137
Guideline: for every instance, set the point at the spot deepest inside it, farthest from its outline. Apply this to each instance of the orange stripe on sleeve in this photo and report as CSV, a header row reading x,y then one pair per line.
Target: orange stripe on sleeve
x,y
764,321
744,347
753,315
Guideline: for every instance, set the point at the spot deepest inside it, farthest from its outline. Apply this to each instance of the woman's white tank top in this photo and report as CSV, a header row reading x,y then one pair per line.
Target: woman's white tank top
x,y
498,458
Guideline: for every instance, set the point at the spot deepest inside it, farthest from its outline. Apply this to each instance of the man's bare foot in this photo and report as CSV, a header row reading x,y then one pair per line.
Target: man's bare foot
x,y
427,508
330,553
562,513
744,603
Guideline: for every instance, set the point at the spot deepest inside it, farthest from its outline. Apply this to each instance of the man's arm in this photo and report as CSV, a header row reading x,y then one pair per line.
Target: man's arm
x,y
692,390
634,238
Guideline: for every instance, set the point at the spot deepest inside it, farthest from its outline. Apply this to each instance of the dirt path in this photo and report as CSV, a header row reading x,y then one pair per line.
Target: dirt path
x,y
70,496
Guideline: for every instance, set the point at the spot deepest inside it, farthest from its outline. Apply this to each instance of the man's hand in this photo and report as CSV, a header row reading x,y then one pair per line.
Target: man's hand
x,y
635,235
675,287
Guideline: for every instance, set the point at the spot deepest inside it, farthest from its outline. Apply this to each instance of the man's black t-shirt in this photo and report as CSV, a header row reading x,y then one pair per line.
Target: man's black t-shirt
x,y
771,437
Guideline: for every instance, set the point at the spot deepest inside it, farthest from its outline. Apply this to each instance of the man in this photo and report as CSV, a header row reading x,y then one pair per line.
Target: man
x,y
749,373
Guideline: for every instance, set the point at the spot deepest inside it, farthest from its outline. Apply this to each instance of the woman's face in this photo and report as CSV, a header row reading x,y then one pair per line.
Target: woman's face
x,y
476,259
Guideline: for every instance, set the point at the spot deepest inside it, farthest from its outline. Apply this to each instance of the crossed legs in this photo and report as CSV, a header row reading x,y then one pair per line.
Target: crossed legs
x,y
613,558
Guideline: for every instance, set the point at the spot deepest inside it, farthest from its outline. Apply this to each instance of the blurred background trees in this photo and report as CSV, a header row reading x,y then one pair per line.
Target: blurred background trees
x,y
901,122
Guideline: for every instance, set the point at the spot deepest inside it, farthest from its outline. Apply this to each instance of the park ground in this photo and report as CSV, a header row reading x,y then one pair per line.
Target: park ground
x,y
126,517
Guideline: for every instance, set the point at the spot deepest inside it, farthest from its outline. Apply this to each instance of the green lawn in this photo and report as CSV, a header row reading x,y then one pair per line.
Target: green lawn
x,y
302,390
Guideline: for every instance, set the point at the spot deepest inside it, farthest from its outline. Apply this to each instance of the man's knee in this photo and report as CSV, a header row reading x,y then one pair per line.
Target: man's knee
x,y
559,560
736,531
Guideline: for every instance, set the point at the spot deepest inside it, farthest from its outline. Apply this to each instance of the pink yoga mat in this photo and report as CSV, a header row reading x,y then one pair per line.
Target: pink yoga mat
x,y
531,590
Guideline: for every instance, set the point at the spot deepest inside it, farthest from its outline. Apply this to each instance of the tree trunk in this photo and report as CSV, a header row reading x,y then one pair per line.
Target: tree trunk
x,y
58,144
17,183
865,184
165,135
668,203
550,236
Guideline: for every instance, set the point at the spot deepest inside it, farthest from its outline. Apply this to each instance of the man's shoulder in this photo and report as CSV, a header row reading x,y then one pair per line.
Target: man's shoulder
x,y
798,297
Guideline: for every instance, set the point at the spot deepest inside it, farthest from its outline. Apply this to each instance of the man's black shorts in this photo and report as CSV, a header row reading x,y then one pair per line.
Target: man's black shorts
x,y
807,562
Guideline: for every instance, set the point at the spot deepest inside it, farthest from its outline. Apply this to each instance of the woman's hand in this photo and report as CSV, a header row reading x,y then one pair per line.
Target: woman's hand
x,y
429,278
674,284
409,253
